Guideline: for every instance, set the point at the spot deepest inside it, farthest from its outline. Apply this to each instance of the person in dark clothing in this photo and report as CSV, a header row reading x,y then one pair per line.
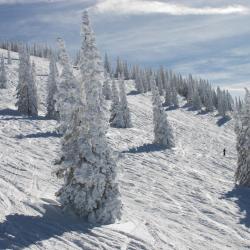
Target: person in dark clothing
x,y
224,152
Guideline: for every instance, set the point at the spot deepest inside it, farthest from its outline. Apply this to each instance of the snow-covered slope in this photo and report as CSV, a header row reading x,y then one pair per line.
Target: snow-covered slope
x,y
182,198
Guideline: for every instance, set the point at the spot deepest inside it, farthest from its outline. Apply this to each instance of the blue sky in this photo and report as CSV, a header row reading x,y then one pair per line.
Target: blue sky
x,y
210,39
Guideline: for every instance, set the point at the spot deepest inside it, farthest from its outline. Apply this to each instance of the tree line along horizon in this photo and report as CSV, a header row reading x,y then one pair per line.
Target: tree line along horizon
x,y
87,163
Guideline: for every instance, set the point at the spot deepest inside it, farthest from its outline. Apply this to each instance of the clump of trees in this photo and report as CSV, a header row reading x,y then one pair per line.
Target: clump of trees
x,y
3,76
39,50
199,93
242,175
120,113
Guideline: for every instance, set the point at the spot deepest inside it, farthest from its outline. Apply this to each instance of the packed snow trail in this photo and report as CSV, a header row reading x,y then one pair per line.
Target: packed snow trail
x,y
182,198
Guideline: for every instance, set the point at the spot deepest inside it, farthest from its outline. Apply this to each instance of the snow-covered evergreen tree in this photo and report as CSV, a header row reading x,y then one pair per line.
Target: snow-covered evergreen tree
x,y
67,96
106,90
9,57
175,101
107,64
196,100
90,184
222,102
238,104
208,103
144,81
159,82
171,95
124,106
126,73
139,82
116,117
27,102
168,95
242,175
3,77
119,68
33,88
52,90
230,102
162,130
191,84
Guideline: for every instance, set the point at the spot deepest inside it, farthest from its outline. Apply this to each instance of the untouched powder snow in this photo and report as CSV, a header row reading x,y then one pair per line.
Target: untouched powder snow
x,y
183,198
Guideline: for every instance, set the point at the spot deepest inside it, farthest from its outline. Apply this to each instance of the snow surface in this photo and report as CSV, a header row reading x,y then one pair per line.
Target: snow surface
x,y
183,198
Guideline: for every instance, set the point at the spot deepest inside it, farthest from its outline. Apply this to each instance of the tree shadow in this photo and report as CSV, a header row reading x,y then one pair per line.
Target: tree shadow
x,y
9,112
243,200
39,135
191,108
16,115
146,148
223,120
134,92
28,118
170,108
186,105
202,112
20,231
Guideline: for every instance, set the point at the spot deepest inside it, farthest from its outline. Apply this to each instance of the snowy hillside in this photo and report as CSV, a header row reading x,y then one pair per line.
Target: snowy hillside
x,y
181,198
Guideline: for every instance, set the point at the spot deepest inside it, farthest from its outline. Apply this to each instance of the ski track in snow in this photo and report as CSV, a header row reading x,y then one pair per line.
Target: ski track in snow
x,y
172,199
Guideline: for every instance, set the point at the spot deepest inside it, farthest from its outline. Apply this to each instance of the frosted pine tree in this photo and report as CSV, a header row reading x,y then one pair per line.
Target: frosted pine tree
x,y
168,95
242,175
68,88
119,68
222,103
124,106
196,100
33,91
116,117
159,83
3,77
9,57
126,73
162,130
174,93
52,90
107,64
27,101
208,103
139,82
90,184
106,90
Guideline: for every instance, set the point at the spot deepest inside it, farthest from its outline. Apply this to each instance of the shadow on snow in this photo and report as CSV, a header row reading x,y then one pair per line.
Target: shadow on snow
x,y
146,148
223,120
243,201
21,231
9,112
19,116
39,135
134,92
170,108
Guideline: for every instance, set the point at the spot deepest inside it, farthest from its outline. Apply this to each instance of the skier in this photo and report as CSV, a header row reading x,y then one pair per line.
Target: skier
x,y
224,152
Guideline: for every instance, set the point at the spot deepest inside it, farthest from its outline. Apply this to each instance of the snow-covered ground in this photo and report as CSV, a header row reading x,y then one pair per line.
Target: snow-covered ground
x,y
183,198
